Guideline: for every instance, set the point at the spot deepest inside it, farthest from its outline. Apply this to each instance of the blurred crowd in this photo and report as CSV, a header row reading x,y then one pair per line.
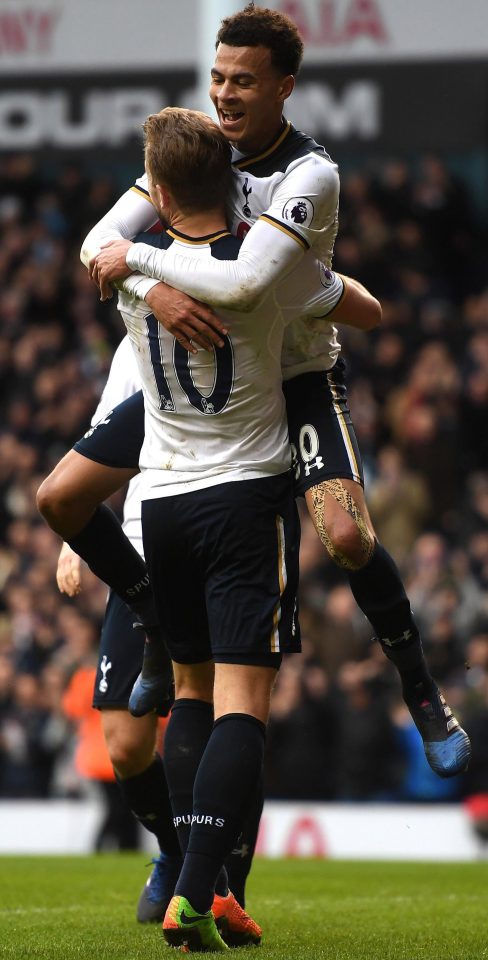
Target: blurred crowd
x,y
418,391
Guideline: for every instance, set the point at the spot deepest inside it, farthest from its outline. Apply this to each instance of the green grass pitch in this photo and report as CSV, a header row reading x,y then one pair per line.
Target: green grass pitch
x,y
62,908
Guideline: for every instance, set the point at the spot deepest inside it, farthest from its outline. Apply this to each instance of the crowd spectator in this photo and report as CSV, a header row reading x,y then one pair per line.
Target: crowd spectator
x,y
418,390
118,827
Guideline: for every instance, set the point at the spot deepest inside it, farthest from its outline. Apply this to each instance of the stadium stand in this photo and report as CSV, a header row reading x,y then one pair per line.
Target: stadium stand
x,y
419,396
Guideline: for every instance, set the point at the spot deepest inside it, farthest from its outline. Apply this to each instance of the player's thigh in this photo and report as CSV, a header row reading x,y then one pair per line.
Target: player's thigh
x,y
223,563
78,480
194,681
252,572
103,461
173,556
240,688
120,656
324,443
116,440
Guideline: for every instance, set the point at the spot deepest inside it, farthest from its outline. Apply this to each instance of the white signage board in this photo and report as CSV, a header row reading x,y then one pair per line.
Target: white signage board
x,y
330,830
85,36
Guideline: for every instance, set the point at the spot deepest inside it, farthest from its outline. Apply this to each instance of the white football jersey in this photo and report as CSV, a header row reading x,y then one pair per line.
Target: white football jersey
x,y
294,187
219,416
124,380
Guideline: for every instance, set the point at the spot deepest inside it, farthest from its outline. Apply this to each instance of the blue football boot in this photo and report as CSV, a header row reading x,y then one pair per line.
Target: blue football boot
x,y
153,689
159,889
447,746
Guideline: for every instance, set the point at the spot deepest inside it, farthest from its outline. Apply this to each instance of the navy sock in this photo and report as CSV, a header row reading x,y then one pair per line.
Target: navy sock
x,y
239,861
187,733
147,796
186,738
379,592
226,780
110,555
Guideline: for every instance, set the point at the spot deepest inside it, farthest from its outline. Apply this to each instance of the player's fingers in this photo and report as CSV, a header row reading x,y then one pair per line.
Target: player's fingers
x,y
92,267
62,579
203,315
69,587
184,334
60,583
204,335
75,574
95,272
105,288
212,327
185,339
72,580
72,584
68,576
201,340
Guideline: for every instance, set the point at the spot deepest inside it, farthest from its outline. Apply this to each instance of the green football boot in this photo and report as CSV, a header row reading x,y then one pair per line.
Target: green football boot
x,y
190,931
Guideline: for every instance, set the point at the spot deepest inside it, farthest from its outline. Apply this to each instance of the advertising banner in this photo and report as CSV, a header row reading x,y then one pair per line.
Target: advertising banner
x,y
402,109
378,75
327,830
69,35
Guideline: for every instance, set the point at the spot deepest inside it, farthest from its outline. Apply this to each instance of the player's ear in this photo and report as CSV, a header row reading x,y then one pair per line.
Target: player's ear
x,y
286,88
162,194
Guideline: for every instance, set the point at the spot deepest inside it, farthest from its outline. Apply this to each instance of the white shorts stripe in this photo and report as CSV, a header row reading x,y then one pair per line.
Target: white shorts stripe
x,y
351,456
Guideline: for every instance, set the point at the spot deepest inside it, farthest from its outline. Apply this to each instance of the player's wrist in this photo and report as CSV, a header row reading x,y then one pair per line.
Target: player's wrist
x,y
138,285
152,284
134,255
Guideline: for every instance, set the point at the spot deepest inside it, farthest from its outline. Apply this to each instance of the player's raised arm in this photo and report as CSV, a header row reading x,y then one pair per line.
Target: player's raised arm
x,y
303,211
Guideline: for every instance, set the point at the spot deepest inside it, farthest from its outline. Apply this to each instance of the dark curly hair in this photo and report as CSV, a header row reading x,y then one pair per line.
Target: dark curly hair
x,y
261,27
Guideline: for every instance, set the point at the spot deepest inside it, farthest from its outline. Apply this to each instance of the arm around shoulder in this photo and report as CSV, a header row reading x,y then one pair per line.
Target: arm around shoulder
x,y
357,306
131,214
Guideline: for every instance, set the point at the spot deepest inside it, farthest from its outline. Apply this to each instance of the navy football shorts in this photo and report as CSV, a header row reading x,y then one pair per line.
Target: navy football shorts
x,y
322,437
117,438
120,656
223,563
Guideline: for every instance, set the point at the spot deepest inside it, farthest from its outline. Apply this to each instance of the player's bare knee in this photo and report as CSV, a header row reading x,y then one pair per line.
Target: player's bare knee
x,y
131,742
45,499
64,508
347,545
54,500
128,757
340,524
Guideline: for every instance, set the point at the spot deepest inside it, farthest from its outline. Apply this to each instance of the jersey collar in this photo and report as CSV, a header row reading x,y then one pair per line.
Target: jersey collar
x,y
245,162
195,241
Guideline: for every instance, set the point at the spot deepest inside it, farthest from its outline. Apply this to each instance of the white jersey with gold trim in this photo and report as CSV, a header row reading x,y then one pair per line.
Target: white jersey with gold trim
x,y
219,416
294,186
290,192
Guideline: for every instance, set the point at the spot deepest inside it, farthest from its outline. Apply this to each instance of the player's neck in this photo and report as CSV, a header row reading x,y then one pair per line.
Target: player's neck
x,y
260,144
200,224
